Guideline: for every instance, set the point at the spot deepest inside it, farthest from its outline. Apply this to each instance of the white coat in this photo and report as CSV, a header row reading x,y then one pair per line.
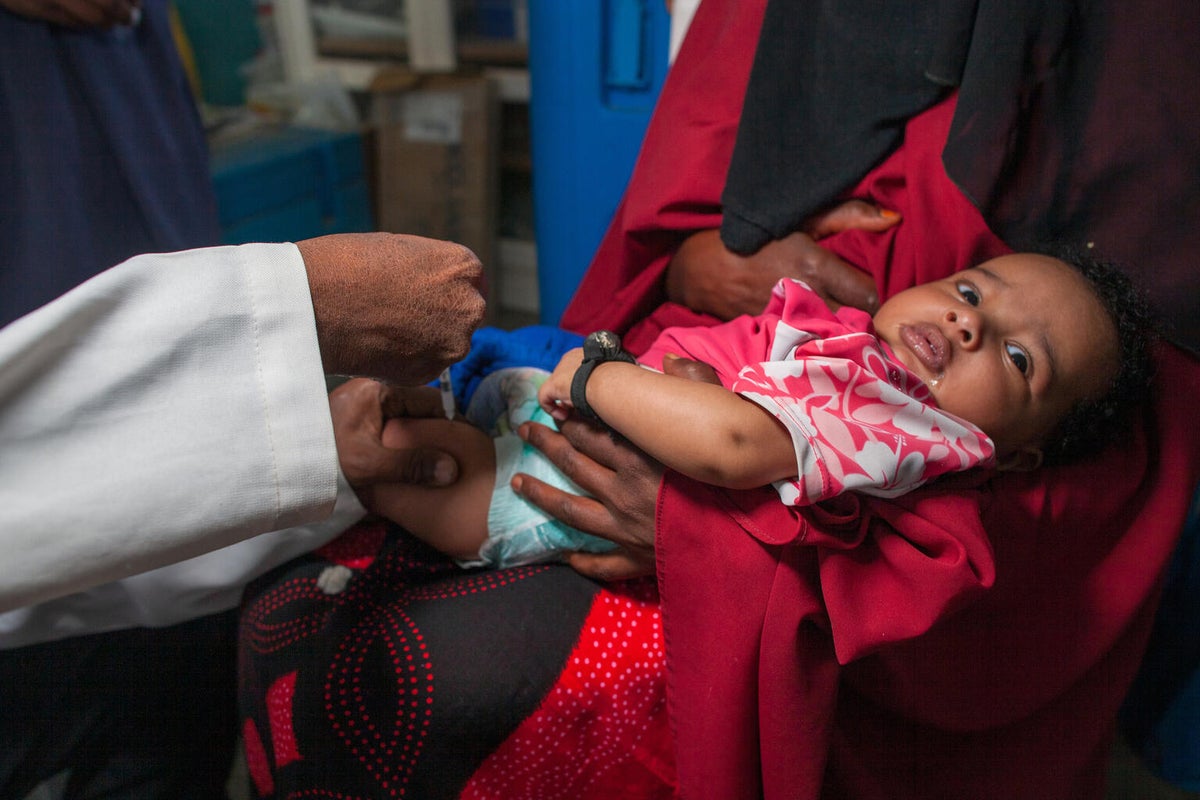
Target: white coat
x,y
170,411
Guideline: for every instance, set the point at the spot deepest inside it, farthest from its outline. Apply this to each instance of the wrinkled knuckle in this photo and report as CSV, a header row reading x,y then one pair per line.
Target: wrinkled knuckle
x,y
458,349
470,264
468,255
477,309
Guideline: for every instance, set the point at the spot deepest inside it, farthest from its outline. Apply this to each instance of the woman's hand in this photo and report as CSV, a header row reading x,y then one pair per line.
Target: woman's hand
x,y
623,484
705,276
622,481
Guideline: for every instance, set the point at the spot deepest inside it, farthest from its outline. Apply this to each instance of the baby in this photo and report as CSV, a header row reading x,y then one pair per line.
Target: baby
x,y
1023,360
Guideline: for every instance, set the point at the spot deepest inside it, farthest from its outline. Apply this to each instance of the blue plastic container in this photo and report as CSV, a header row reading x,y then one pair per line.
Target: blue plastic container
x,y
596,68
287,184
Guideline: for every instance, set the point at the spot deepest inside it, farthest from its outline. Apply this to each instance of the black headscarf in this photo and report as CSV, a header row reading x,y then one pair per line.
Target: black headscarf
x,y
1075,121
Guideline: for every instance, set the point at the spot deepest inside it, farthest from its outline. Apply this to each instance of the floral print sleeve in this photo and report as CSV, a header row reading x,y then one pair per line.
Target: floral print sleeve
x,y
859,420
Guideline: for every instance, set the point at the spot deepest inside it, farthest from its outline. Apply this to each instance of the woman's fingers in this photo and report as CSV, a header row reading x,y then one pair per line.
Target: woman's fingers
x,y
850,215
619,566
623,483
580,512
585,453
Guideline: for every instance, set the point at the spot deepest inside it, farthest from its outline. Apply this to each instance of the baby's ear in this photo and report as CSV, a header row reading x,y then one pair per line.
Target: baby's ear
x,y
1026,459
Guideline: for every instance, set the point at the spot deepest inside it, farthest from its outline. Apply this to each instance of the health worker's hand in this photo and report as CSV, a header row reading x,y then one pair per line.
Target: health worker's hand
x,y
390,306
359,408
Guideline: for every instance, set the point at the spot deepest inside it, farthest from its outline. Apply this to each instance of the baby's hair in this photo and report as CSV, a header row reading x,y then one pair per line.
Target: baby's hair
x,y
1093,423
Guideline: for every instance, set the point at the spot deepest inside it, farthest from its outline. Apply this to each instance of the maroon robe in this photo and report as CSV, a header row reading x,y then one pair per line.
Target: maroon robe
x,y
965,642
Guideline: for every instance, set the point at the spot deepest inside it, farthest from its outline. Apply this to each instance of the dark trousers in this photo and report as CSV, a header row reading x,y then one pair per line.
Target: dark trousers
x,y
141,713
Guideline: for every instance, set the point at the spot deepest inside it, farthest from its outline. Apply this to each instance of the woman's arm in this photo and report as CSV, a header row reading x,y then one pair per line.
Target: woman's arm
x,y
699,429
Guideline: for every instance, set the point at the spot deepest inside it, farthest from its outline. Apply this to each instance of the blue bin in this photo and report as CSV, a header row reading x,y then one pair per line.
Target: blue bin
x,y
596,68
286,184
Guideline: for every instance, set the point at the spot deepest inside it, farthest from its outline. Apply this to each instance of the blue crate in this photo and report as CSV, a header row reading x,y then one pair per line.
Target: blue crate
x,y
596,68
287,183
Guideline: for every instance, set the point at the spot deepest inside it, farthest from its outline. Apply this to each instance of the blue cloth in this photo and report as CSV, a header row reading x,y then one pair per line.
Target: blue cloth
x,y
492,349
102,154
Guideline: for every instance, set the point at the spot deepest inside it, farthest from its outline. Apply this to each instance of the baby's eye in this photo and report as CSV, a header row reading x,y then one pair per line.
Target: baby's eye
x,y
968,293
1019,357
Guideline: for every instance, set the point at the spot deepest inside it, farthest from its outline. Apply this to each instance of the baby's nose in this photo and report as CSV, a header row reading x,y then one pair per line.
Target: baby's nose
x,y
964,326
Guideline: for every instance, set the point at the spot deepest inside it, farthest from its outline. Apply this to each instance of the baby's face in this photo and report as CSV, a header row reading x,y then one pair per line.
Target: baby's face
x,y
1010,345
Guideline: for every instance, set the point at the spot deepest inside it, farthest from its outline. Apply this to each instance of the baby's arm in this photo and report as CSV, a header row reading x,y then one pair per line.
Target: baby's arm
x,y
699,429
452,519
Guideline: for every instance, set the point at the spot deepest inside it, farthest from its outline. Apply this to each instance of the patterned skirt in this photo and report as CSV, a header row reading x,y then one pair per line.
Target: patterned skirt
x,y
375,668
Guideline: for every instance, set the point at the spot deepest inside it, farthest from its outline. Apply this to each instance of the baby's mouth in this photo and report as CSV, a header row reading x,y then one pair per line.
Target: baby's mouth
x,y
927,343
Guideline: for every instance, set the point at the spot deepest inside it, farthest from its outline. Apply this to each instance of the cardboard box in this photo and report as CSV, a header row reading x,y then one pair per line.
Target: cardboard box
x,y
437,161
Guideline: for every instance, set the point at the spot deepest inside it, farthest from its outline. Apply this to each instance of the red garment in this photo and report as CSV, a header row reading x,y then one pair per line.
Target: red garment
x,y
800,665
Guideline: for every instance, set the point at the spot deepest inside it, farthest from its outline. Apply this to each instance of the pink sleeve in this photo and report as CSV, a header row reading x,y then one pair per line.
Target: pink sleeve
x,y
859,421
729,346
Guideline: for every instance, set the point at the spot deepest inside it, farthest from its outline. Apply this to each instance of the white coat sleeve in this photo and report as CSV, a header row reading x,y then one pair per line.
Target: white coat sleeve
x,y
168,407
203,585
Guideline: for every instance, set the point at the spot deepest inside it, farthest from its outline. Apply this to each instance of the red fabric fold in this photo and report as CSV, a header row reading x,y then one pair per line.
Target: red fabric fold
x,y
976,644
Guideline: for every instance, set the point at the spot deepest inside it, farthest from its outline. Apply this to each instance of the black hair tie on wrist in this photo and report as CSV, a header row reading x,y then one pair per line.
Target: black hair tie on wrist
x,y
598,347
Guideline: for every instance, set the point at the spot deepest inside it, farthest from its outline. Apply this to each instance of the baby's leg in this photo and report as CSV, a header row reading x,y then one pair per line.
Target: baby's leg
x,y
452,519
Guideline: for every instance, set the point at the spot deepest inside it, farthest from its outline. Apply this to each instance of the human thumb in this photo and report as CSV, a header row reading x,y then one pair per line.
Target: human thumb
x,y
851,215
421,466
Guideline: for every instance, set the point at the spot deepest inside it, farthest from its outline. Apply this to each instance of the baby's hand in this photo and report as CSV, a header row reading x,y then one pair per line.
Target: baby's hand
x,y
555,394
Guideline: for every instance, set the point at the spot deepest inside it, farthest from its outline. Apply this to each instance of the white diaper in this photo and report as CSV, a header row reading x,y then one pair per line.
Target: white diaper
x,y
518,531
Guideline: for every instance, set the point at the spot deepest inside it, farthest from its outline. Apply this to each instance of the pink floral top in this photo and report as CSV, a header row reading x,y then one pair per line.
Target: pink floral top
x,y
859,420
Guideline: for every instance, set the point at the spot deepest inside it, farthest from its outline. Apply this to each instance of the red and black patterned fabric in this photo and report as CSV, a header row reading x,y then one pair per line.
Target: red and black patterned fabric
x,y
418,679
